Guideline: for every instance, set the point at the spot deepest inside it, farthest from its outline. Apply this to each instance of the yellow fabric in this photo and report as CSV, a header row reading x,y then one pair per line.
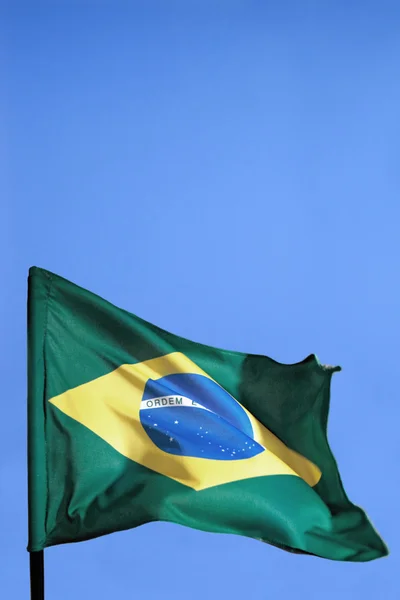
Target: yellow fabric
x,y
109,406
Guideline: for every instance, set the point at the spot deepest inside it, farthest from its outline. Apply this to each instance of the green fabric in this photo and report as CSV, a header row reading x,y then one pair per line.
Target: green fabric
x,y
80,487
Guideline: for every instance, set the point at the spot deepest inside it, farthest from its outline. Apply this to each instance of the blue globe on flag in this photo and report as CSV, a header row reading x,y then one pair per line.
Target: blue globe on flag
x,y
191,415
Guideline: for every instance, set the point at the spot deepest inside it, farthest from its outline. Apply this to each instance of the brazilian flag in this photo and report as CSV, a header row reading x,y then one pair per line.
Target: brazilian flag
x,y
129,424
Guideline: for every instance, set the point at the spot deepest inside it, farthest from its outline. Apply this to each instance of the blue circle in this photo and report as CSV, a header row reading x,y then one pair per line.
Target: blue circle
x,y
219,429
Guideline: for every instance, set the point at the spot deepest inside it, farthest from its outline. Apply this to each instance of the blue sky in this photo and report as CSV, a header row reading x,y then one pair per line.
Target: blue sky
x,y
228,170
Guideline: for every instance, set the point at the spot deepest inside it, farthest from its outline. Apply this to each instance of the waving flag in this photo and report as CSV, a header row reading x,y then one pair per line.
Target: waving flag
x,y
130,424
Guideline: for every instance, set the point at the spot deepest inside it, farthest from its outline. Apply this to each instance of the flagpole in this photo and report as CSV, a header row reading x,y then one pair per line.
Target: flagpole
x,y
36,561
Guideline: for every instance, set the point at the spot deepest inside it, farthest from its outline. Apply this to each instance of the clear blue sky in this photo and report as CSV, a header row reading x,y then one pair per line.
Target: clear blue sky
x,y
228,170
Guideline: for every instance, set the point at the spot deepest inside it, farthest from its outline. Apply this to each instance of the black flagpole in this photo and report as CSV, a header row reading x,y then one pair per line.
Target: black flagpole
x,y
36,560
